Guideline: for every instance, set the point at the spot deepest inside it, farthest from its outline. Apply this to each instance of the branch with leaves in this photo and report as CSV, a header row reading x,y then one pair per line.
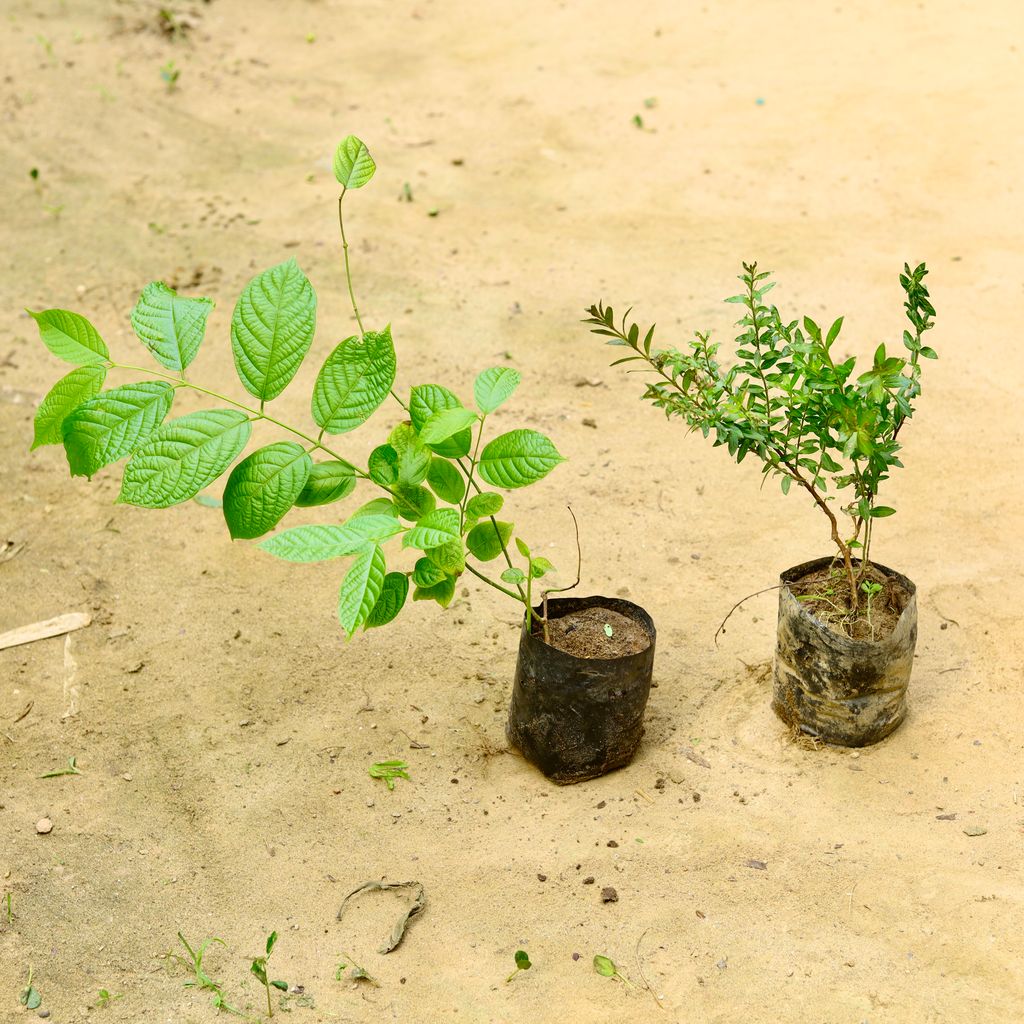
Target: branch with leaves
x,y
432,469
786,400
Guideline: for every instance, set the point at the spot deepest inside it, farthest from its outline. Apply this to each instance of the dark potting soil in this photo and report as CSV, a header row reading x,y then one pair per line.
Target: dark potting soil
x,y
825,594
583,634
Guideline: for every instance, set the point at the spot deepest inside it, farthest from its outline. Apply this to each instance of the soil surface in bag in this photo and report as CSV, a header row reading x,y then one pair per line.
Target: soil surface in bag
x,y
824,593
583,634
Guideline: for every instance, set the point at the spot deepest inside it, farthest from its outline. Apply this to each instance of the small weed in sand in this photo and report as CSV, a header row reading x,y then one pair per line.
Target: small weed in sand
x,y
357,972
605,966
30,997
522,960
200,979
105,998
71,769
389,771
170,74
259,968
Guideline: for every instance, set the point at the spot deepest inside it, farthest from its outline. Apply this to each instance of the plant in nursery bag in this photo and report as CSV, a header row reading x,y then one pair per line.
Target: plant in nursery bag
x,y
437,477
847,626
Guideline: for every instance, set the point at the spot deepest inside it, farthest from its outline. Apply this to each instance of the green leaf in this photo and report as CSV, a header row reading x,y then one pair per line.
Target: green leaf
x,y
605,967
444,424
523,548
353,165
281,986
446,480
488,503
413,455
327,482
450,557
833,332
30,998
263,486
383,465
426,401
787,482
434,529
258,967
64,397
355,379
318,543
272,328
442,593
540,567
881,511
413,503
929,353
427,573
514,576
69,336
170,326
522,960
271,940
184,456
113,424
377,507
361,588
391,600
495,386
486,540
518,458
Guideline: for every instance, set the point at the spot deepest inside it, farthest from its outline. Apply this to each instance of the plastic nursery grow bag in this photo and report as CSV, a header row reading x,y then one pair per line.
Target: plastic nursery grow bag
x,y
577,718
843,691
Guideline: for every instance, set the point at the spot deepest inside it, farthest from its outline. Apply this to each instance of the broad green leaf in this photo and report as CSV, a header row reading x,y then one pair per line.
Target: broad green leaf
x,y
518,458
513,575
69,336
605,966
413,503
263,486
353,165
413,455
447,482
486,504
391,600
427,573
318,543
434,529
450,558
64,397
377,507
353,382
169,325
426,401
540,567
445,424
184,456
361,588
327,482
487,540
442,593
272,328
113,424
383,465
495,386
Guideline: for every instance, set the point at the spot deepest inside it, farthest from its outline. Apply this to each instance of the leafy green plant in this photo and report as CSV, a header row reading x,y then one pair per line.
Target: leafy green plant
x,y
259,968
105,998
389,771
438,479
871,590
791,401
29,996
201,980
522,960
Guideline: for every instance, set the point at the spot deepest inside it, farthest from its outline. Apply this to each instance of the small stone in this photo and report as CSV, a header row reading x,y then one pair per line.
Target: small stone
x,y
369,802
127,776
722,964
612,844
542,878
575,956
589,880
609,895
44,826
601,806
659,783
44,1014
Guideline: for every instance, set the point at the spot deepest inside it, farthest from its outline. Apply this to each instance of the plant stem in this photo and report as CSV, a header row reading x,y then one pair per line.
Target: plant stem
x,y
270,1008
497,586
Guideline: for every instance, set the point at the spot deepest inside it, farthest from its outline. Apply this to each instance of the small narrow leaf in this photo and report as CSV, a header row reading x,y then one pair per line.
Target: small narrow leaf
x,y
64,397
113,424
263,486
881,511
518,458
327,482
272,328
391,601
69,336
184,456
353,165
318,543
169,325
355,379
495,386
361,588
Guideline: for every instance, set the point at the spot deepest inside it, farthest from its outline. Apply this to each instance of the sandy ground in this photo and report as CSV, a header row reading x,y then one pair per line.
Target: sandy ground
x,y
224,730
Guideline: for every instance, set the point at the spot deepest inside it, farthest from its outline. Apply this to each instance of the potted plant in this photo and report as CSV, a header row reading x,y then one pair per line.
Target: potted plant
x,y
433,477
847,625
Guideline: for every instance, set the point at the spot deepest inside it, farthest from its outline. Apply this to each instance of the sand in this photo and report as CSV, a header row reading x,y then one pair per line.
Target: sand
x,y
223,728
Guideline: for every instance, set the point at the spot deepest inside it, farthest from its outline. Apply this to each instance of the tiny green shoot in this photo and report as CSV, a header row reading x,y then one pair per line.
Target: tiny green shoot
x,y
170,74
871,589
522,964
105,998
389,771
202,980
259,968
30,997
10,912
358,973
71,769
605,966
